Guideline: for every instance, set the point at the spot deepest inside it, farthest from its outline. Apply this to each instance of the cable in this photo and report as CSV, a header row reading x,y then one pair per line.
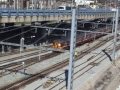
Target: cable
x,y
107,55
13,29
17,35
46,33
6,27
89,31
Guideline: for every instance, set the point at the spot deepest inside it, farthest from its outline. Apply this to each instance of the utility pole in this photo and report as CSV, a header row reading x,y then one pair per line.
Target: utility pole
x,y
72,49
115,33
113,23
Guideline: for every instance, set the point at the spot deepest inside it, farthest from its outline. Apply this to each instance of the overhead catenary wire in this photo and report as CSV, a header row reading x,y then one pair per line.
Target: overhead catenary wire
x,y
95,23
46,33
17,35
13,29
87,31
6,27
87,60
84,63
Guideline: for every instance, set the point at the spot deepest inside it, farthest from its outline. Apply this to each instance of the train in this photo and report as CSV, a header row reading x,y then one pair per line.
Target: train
x,y
80,39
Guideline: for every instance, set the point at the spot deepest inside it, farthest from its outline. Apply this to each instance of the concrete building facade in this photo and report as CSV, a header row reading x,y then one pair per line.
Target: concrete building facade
x,y
28,4
84,2
34,4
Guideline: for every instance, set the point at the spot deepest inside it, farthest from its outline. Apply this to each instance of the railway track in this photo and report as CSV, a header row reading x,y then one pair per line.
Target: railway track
x,y
89,61
16,52
15,67
89,65
47,71
20,57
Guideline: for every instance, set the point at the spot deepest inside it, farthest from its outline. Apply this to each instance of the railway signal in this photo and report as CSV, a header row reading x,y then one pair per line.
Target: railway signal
x,y
23,64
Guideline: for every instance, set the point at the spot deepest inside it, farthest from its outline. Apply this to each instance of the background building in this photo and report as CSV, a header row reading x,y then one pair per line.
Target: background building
x,y
29,4
52,4
84,2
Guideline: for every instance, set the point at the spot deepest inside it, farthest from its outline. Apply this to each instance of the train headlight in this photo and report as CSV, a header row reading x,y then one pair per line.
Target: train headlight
x,y
59,45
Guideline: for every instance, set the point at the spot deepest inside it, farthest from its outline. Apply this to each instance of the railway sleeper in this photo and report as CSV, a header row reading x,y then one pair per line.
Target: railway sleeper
x,y
90,58
94,64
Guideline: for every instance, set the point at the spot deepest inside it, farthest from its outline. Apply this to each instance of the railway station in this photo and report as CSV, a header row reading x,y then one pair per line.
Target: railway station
x,y
59,45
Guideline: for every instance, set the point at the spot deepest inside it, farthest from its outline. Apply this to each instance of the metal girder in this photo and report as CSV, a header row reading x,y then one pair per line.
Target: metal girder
x,y
12,44
88,31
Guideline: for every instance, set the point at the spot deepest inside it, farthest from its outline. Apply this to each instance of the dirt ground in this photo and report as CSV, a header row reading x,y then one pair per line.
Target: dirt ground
x,y
111,79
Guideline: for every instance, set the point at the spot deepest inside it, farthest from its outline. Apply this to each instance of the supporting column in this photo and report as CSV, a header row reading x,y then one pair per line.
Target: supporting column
x,y
3,49
72,50
115,34
65,33
40,51
49,31
85,35
113,24
83,25
96,25
35,30
21,44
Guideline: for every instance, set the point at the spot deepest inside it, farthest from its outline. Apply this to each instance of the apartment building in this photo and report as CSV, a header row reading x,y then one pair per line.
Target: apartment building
x,y
34,4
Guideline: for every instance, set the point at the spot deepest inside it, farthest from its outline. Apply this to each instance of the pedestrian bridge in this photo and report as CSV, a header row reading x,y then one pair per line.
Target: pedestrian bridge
x,y
12,15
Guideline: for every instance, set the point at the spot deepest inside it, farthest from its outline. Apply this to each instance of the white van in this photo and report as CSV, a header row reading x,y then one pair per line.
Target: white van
x,y
64,8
